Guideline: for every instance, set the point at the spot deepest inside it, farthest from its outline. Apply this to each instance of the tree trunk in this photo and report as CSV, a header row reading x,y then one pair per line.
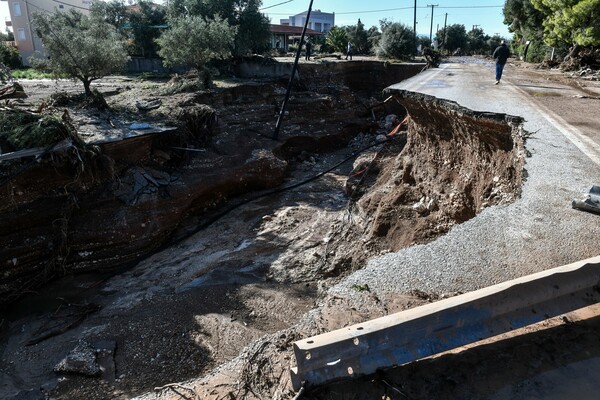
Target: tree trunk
x,y
573,53
86,87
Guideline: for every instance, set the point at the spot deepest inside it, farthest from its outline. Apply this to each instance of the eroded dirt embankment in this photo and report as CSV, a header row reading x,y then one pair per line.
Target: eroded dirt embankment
x,y
101,207
455,162
451,164
173,316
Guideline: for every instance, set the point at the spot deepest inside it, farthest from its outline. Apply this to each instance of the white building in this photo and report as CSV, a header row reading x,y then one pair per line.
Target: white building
x,y
319,21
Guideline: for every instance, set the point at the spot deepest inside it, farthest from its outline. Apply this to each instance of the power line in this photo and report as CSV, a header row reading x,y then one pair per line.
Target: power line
x,y
372,11
360,12
472,7
384,10
274,5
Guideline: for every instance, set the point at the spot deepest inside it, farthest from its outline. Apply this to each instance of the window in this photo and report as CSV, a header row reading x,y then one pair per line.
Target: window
x,y
21,34
61,6
17,9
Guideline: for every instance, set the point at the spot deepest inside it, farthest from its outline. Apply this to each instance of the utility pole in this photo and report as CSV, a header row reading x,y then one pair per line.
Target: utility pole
x,y
431,27
444,38
293,76
415,29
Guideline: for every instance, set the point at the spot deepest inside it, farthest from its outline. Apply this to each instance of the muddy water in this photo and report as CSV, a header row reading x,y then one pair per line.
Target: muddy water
x,y
228,260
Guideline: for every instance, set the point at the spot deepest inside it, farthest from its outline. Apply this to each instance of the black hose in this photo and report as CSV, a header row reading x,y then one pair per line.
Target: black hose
x,y
276,191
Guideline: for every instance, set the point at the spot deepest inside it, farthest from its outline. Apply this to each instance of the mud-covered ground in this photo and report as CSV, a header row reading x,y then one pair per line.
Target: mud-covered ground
x,y
248,278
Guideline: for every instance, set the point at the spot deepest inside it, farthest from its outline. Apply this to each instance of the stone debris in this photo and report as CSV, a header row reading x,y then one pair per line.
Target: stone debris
x,y
80,361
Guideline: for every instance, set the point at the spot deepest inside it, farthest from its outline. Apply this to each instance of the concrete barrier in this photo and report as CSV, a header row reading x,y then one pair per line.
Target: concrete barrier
x,y
437,327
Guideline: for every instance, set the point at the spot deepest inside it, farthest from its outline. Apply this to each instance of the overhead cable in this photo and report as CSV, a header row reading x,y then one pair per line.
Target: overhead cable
x,y
275,5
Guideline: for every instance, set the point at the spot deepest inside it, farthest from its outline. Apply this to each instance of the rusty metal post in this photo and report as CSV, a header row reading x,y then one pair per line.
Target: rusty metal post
x,y
294,69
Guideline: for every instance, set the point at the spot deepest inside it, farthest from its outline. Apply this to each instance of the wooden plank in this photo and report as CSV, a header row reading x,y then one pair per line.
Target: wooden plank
x,y
36,151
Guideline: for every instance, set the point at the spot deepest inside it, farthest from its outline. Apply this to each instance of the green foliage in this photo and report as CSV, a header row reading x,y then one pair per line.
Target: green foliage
x,y
78,46
5,74
252,28
194,41
113,12
570,21
526,23
397,41
22,130
10,56
145,26
454,38
253,33
374,36
337,39
32,73
495,42
384,24
140,26
359,38
536,53
477,42
361,288
523,19
7,37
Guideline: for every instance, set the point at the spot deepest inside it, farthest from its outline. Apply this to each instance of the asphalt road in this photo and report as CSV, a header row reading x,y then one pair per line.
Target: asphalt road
x,y
540,230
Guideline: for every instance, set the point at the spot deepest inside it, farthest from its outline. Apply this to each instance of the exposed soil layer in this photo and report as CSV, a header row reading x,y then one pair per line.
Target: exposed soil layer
x,y
118,201
195,305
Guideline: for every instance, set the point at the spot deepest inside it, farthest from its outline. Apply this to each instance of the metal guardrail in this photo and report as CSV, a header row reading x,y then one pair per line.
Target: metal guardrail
x,y
423,331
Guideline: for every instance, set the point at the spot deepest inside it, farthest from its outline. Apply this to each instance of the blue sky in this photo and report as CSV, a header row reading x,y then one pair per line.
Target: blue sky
x,y
485,13
488,15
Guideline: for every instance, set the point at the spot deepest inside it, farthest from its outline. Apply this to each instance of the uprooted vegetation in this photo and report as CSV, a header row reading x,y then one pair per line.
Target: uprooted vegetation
x,y
143,192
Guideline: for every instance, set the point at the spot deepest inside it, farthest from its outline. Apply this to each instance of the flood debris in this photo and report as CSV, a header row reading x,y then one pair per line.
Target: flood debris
x,y
20,129
81,360
590,203
12,90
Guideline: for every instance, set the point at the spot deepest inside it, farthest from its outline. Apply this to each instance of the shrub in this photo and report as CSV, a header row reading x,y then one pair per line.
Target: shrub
x,y
397,41
10,56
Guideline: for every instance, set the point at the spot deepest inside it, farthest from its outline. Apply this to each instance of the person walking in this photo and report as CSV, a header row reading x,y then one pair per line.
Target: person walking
x,y
349,51
501,54
308,49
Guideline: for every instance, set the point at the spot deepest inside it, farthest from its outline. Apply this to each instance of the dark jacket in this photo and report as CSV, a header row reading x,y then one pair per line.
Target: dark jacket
x,y
501,54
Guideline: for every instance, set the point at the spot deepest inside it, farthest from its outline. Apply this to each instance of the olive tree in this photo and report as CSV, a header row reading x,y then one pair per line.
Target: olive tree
x,y
252,27
79,47
397,41
194,41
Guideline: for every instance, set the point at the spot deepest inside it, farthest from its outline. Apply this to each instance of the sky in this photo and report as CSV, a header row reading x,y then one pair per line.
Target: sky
x,y
487,14
4,14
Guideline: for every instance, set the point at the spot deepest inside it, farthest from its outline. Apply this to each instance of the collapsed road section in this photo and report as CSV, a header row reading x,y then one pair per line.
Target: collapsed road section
x,y
261,370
